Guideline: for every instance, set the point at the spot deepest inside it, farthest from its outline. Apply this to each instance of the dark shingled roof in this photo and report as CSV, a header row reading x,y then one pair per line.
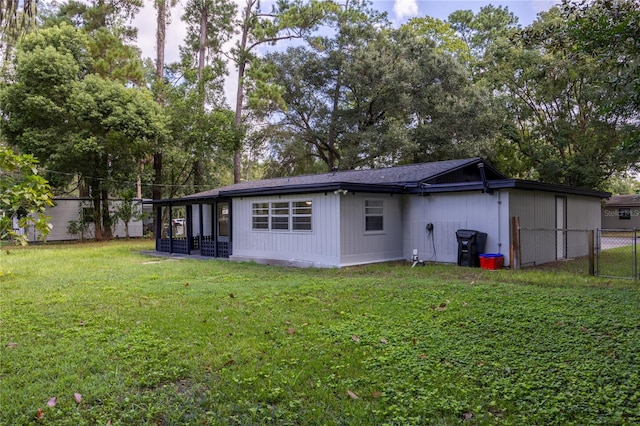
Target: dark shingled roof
x,y
424,178
398,176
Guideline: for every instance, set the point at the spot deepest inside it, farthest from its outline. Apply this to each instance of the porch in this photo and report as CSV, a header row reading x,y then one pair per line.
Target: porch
x,y
202,229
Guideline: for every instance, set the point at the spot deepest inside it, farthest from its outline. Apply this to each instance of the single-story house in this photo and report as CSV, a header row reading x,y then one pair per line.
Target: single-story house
x,y
80,210
355,217
621,212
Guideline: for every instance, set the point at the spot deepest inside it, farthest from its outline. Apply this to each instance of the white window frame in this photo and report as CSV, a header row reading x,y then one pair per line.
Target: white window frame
x,y
373,211
296,214
260,211
299,211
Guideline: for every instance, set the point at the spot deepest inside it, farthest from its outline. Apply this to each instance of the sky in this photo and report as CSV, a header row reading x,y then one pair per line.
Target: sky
x,y
399,11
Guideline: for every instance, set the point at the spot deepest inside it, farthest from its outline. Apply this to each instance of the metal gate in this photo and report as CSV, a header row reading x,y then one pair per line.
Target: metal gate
x,y
617,253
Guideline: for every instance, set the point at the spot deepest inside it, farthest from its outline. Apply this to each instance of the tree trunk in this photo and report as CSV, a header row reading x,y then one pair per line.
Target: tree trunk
x,y
161,30
242,66
197,165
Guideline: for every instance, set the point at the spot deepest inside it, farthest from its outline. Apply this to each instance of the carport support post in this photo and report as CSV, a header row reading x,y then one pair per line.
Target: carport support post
x,y
592,257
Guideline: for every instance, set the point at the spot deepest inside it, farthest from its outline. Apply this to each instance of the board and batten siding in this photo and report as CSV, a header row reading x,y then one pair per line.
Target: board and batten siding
x,y
541,213
448,213
68,209
318,248
359,246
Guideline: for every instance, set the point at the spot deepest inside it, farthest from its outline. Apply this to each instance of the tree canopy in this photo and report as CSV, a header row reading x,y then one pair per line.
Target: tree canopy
x,y
320,84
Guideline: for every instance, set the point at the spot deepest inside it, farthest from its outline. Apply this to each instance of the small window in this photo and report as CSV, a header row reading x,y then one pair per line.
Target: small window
x,y
373,215
260,216
624,214
280,216
301,215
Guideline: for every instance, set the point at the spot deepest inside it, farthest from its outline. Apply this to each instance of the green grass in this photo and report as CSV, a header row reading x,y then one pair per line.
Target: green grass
x,y
158,341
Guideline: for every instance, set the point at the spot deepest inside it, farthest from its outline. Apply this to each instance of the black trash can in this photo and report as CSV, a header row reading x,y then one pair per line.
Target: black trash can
x,y
470,245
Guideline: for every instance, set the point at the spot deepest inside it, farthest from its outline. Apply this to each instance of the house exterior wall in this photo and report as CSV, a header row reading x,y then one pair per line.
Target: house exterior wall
x,y
358,246
319,248
448,213
611,217
542,214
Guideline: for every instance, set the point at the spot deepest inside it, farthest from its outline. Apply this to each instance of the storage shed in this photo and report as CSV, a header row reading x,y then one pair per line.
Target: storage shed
x,y
68,209
355,217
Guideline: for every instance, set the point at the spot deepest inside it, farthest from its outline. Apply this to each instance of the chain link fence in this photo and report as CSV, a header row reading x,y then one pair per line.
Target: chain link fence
x,y
538,246
617,253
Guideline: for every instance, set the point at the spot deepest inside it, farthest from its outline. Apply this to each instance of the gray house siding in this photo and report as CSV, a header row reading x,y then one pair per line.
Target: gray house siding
x,y
359,246
448,213
320,247
542,213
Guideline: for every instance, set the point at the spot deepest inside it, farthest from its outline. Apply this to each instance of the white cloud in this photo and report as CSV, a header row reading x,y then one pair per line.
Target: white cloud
x,y
405,9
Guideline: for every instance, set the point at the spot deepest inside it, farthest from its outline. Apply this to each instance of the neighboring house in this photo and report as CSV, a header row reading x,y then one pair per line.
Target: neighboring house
x,y
66,210
356,217
621,211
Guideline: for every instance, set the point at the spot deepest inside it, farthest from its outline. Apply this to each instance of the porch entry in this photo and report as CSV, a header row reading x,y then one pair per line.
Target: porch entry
x,y
199,229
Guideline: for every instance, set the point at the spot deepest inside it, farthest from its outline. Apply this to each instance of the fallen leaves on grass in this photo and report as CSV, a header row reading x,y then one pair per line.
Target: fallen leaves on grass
x,y
352,395
52,401
291,330
355,338
77,397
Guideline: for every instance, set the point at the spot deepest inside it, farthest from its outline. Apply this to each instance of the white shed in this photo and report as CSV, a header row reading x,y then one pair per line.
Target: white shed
x,y
68,209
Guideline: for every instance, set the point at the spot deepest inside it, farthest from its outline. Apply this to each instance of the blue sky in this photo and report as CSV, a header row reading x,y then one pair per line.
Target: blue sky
x,y
401,10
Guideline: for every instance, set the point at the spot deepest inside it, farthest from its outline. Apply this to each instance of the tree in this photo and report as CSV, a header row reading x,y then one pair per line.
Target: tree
x,y
373,96
24,196
209,27
442,34
127,211
288,20
14,23
564,119
76,123
163,8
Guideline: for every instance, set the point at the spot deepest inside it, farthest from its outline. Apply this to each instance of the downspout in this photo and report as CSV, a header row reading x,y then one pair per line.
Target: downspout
x,y
499,224
485,184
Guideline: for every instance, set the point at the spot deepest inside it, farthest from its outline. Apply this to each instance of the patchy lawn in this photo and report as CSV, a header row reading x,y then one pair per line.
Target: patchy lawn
x,y
100,334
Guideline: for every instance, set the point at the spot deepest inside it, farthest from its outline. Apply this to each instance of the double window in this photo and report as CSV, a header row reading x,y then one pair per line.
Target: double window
x,y
281,216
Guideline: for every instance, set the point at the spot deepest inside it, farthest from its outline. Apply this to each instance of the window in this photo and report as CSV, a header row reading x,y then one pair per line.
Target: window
x,y
260,216
624,214
301,215
373,215
281,216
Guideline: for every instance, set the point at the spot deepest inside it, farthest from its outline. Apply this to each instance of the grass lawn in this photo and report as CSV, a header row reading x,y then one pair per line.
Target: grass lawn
x,y
120,338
